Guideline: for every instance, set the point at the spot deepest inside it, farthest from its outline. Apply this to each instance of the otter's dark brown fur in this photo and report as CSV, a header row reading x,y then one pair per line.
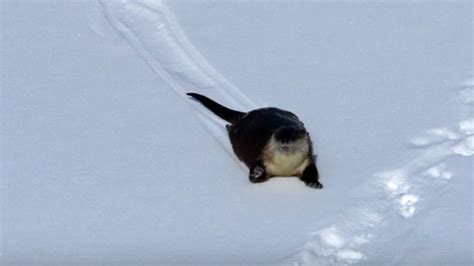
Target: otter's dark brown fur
x,y
270,141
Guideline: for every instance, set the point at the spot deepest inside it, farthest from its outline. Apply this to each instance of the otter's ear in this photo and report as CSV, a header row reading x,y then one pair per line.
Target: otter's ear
x,y
303,132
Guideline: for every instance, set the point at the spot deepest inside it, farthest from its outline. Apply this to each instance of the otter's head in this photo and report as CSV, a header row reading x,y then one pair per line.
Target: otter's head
x,y
290,139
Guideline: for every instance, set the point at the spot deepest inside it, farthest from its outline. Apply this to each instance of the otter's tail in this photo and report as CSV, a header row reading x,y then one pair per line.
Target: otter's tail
x,y
223,112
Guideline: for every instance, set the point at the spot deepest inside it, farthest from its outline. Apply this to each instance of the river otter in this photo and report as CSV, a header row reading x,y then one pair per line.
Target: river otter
x,y
270,141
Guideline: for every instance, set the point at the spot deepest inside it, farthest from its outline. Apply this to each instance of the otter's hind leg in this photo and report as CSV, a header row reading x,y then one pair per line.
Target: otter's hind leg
x,y
310,176
257,173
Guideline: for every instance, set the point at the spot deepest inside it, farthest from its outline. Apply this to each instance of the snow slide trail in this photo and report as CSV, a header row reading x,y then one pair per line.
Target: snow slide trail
x,y
151,28
393,194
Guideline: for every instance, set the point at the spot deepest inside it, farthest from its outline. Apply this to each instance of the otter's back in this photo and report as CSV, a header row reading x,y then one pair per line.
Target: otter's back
x,y
250,134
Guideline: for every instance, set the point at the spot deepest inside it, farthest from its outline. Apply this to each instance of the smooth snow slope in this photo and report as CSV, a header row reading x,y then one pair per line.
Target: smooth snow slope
x,y
104,161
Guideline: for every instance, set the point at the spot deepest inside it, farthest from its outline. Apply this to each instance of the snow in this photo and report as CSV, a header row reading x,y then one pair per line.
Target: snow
x,y
104,159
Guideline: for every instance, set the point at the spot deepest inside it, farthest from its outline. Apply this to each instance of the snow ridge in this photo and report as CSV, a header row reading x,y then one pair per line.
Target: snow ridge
x,y
151,28
399,191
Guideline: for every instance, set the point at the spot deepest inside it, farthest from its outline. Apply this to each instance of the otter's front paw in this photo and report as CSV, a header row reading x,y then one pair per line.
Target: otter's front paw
x,y
257,174
310,176
314,185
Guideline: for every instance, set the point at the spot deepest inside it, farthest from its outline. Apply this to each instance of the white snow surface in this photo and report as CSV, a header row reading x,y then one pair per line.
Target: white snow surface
x,y
104,160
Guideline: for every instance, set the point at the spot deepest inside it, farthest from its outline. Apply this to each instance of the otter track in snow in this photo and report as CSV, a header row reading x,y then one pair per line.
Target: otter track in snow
x,y
397,192
151,28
